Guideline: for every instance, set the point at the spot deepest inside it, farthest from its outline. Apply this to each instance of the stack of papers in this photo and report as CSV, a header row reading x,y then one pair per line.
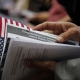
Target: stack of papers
x,y
20,43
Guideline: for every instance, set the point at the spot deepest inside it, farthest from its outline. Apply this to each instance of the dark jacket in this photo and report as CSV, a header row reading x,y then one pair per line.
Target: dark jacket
x,y
73,9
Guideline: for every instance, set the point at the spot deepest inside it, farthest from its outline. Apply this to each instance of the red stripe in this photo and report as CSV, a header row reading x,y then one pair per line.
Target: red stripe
x,y
11,21
17,24
28,28
22,25
0,26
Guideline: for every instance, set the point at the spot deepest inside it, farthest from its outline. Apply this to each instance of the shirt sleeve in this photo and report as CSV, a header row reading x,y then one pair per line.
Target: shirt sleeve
x,y
67,70
56,12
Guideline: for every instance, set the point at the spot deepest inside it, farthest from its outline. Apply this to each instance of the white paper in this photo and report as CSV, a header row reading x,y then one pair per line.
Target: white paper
x,y
33,45
21,49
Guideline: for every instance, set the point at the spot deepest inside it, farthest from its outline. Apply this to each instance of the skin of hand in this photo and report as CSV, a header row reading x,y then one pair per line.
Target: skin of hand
x,y
46,69
65,31
40,17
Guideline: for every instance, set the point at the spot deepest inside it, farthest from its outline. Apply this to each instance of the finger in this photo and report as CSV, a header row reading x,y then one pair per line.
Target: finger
x,y
60,26
48,26
56,32
69,34
43,65
33,19
43,76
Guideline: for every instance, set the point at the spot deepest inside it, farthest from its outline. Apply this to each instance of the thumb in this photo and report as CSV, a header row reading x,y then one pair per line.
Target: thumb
x,y
66,36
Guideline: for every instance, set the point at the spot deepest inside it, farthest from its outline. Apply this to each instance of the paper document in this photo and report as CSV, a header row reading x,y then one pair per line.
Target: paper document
x,y
24,44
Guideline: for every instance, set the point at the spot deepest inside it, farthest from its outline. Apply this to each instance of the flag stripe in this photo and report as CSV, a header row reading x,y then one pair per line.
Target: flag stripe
x,y
28,28
14,23
11,21
25,27
0,25
22,25
3,27
17,24
8,21
3,22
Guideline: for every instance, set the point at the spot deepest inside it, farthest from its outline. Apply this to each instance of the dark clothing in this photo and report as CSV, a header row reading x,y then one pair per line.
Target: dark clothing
x,y
73,9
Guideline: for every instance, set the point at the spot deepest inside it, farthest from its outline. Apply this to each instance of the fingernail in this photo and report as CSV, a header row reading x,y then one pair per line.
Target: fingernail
x,y
60,39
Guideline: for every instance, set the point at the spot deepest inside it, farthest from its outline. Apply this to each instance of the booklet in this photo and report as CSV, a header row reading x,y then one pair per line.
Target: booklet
x,y
20,43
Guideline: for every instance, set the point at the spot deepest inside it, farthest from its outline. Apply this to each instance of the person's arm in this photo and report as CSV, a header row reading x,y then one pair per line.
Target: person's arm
x,y
64,30
66,69
39,18
65,19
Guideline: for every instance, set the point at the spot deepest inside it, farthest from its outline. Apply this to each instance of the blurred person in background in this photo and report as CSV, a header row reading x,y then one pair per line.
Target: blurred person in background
x,y
55,13
21,5
14,7
72,7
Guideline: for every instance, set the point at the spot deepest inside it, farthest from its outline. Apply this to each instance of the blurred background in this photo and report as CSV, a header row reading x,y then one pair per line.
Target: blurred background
x,y
33,12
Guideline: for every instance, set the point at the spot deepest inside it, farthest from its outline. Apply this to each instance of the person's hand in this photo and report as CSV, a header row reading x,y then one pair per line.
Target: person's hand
x,y
46,67
40,17
64,30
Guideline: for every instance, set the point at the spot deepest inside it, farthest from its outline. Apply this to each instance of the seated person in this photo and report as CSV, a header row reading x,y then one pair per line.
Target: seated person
x,y
55,13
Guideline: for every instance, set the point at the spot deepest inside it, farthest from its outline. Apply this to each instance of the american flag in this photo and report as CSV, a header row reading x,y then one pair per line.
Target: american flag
x,y
3,22
1,46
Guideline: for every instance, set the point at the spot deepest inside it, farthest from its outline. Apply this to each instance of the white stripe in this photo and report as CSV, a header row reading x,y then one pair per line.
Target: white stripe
x,y
20,25
14,23
8,21
31,29
3,27
25,27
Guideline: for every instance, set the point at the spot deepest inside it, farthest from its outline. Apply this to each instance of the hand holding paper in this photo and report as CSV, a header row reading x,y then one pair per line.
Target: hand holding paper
x,y
65,30
22,43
